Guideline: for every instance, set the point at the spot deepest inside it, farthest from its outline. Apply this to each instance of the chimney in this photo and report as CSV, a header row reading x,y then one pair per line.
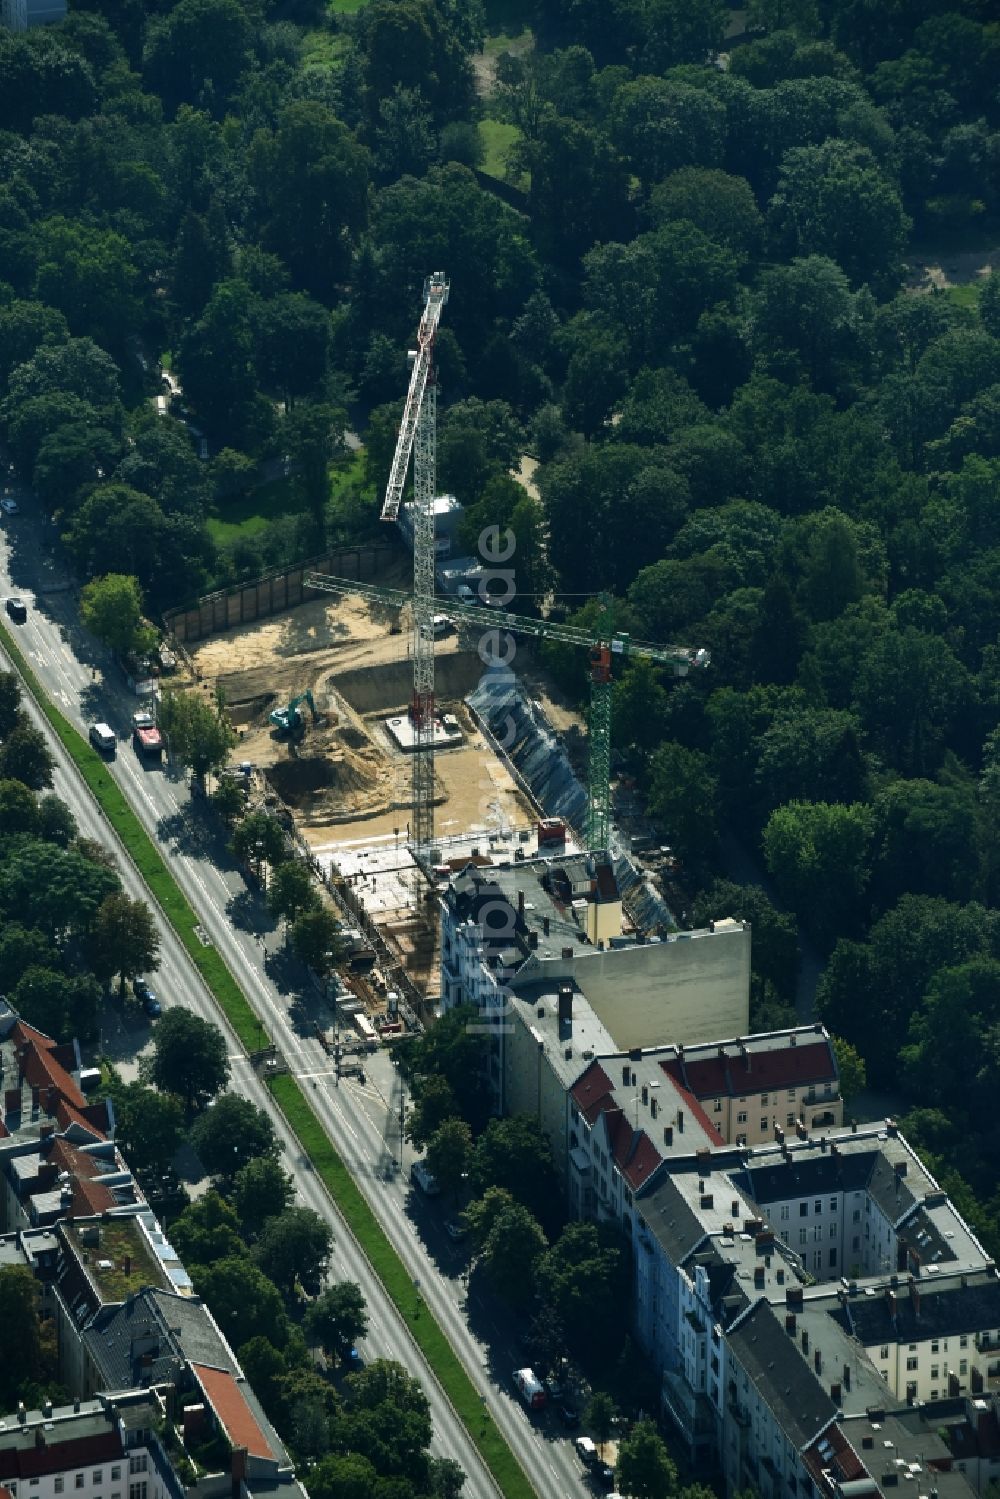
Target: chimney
x,y
847,1376
567,954
822,1143
545,926
238,1470
704,1158
46,1131
805,1341
835,1393
818,1361
565,1003
914,1297
127,1265
801,1130
890,1301
899,1167
758,1275
779,1134
76,1405
47,1410
22,1414
532,941
790,1324
794,1297
890,1129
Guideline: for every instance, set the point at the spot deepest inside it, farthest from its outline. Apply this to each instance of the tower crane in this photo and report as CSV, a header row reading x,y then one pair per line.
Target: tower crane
x,y
603,645
418,435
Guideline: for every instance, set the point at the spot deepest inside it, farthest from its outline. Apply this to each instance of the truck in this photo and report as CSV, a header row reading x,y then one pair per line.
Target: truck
x,y
530,1388
146,737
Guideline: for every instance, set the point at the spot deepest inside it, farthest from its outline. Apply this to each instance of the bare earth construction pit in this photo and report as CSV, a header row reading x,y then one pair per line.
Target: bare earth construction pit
x,y
347,778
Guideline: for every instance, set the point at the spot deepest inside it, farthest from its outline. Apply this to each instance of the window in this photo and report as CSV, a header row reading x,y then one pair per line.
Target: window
x,y
857,1215
935,1371
791,1092
790,1121
137,1490
718,1106
935,1346
817,1207
856,1242
833,1258
138,1462
763,1100
97,1477
963,1341
741,1118
833,1204
60,1485
818,1259
963,1366
116,1473
784,1212
802,1236
763,1121
803,1210
911,1364
79,1480
884,1353
818,1232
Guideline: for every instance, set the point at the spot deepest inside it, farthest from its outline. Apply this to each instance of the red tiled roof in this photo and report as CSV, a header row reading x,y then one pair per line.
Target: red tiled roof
x,y
229,1403
66,1114
696,1109
59,1457
41,1067
786,1067
594,1084
842,1458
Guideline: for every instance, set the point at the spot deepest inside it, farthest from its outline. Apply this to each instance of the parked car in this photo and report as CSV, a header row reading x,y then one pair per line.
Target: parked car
x,y
455,1229
424,1179
555,1388
152,1007
142,991
102,737
530,1388
604,1477
18,610
586,1451
568,1414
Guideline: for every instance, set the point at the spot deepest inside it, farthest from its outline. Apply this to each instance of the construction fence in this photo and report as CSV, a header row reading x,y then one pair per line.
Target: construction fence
x,y
242,603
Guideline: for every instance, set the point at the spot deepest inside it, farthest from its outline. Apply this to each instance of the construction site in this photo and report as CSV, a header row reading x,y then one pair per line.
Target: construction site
x,y
399,747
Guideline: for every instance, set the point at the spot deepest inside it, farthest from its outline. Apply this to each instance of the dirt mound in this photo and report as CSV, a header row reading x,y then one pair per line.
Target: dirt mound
x,y
354,737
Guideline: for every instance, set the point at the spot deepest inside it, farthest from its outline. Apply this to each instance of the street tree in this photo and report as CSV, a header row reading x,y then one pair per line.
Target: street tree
x,y
243,1301
149,1126
43,997
123,940
449,1151
600,1417
645,1468
229,800
338,1318
511,1242
21,948
25,757
233,1132
295,1248
433,1104
207,1231
198,733
586,1277
18,808
258,838
514,1154
291,892
56,823
189,1057
57,890
316,939
111,609
261,1190
10,702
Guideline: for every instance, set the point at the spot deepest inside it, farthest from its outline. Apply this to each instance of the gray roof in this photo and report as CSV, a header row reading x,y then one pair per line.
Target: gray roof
x,y
940,1310
672,1223
819,1173
784,1381
172,1329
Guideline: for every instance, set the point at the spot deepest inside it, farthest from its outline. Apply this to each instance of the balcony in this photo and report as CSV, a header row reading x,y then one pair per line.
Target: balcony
x,y
986,1342
690,1410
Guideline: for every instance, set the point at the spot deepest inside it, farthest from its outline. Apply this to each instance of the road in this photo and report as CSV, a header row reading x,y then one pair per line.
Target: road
x,y
361,1122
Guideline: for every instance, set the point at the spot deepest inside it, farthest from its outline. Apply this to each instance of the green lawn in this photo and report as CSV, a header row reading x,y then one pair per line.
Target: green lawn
x,y
497,140
392,1273
964,296
325,49
249,514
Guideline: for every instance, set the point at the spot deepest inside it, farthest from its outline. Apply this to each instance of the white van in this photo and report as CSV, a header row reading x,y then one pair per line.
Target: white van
x,y
102,737
424,1179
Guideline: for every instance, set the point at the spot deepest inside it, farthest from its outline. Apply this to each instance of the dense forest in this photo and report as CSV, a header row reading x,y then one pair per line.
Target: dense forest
x,y
682,272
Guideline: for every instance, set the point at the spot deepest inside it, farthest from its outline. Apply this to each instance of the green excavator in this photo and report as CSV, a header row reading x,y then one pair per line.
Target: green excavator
x,y
289,720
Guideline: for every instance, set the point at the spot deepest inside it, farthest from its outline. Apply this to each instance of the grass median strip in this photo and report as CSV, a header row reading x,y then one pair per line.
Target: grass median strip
x,y
392,1272
287,1093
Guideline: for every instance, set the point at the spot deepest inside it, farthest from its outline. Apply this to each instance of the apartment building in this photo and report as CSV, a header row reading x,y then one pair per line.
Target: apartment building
x,y
95,1449
527,927
769,1349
